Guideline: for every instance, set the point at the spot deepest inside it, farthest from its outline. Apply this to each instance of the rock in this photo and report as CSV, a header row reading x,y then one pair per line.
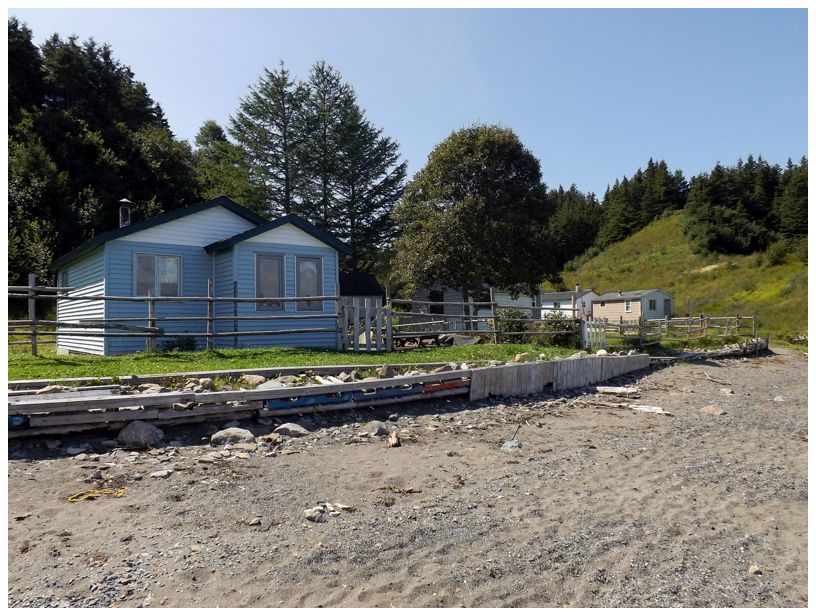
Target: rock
x,y
271,384
440,369
314,514
252,380
754,570
393,417
96,475
151,388
256,521
386,372
72,451
232,424
632,352
393,440
713,409
513,446
229,436
162,474
272,438
55,389
109,443
139,435
521,357
779,399
51,445
245,446
726,391
183,406
82,457
601,352
206,383
266,421
292,429
578,355
376,428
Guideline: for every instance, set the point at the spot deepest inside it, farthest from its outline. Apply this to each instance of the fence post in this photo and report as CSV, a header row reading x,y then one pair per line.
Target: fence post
x,y
32,312
210,312
367,322
496,338
234,313
378,327
389,327
151,322
356,325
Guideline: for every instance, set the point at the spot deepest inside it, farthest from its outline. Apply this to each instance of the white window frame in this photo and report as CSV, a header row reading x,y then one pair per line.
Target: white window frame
x,y
156,282
627,305
300,305
282,275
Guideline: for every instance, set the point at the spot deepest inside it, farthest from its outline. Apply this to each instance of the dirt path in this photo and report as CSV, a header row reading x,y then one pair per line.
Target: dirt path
x,y
602,507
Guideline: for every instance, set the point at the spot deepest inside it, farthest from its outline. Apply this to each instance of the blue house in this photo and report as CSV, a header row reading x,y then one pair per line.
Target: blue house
x,y
177,253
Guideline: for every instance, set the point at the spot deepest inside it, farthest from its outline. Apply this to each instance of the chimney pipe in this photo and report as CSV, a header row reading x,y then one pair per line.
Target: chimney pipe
x,y
124,212
620,293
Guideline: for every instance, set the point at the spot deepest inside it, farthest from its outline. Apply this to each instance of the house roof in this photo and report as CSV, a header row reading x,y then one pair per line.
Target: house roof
x,y
556,295
113,234
359,284
291,219
621,295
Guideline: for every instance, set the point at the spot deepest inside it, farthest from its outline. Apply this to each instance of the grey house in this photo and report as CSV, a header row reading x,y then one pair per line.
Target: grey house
x,y
176,253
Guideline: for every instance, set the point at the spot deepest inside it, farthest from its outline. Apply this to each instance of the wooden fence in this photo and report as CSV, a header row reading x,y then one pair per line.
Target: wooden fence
x,y
598,333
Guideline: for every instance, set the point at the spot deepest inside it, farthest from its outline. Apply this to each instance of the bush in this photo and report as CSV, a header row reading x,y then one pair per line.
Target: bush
x,y
520,325
777,253
179,343
569,336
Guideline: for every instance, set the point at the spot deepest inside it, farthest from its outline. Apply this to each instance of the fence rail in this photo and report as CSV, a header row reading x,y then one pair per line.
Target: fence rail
x,y
597,333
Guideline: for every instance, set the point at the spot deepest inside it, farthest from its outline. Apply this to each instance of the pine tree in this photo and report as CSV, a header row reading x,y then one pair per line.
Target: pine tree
x,y
368,182
790,205
270,126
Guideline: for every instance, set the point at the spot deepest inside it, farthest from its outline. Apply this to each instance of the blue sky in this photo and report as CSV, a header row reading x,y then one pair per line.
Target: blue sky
x,y
592,93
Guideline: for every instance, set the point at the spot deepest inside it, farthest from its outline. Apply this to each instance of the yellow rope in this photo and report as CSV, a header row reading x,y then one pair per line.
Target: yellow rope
x,y
92,494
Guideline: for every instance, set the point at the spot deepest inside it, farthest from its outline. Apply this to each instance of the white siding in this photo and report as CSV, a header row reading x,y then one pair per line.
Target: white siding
x,y
199,229
288,234
87,276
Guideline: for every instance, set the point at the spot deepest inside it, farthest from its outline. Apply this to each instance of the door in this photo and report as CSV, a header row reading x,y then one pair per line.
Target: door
x,y
667,308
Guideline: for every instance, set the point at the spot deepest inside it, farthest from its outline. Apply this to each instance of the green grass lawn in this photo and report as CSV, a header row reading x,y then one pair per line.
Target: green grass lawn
x,y
49,365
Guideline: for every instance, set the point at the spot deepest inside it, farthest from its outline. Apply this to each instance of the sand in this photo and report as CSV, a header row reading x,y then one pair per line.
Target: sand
x,y
601,507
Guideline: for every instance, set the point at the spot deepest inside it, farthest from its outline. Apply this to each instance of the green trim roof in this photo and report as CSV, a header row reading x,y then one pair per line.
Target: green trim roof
x,y
113,234
291,219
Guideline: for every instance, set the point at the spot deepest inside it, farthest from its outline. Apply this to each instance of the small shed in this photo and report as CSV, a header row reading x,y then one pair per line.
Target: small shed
x,y
633,305
357,288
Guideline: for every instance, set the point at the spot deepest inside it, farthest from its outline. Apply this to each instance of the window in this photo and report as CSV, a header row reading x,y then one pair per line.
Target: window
x,y
64,281
627,305
157,275
603,304
652,304
556,305
309,282
269,280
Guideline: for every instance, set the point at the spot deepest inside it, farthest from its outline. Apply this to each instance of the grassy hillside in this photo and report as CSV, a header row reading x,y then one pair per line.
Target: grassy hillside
x,y
658,256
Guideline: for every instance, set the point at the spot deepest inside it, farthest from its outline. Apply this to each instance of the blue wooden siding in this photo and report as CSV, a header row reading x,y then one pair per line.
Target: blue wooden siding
x,y
244,264
224,278
87,276
196,269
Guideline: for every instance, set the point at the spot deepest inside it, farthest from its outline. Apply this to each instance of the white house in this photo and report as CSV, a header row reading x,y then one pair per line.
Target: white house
x,y
568,303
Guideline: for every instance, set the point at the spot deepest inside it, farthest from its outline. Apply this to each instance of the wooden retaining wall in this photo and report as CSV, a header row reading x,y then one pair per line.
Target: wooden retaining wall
x,y
73,411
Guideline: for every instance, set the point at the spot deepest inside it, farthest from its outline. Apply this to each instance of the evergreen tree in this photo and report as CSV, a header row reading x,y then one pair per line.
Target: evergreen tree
x,y
790,204
222,168
270,126
368,181
573,225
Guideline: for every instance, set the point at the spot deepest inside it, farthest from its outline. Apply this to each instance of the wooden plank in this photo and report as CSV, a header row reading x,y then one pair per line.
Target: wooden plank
x,y
101,402
356,327
210,409
378,318
367,323
68,419
32,396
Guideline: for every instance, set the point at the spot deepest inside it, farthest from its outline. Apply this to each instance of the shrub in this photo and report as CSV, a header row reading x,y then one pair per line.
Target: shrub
x,y
569,331
178,343
520,323
777,253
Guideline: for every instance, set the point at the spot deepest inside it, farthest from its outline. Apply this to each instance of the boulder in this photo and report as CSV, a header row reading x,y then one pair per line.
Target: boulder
x,y
601,352
578,355
712,409
386,372
292,429
229,436
443,368
139,435
206,383
376,428
521,357
513,446
271,384
252,380
151,388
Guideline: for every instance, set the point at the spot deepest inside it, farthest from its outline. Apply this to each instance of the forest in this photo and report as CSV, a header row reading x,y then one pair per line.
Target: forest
x,y
85,133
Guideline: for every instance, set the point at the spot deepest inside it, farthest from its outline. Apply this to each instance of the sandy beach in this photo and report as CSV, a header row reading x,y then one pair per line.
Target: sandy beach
x,y
602,506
